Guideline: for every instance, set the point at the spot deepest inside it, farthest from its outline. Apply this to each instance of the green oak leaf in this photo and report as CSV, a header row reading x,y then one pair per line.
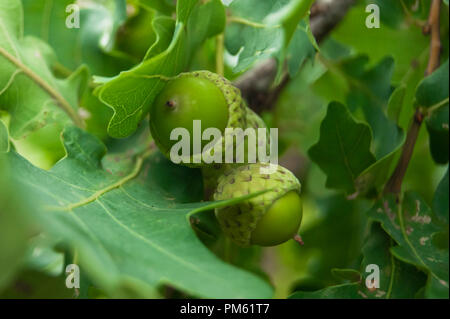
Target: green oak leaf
x,y
393,14
302,46
370,98
97,114
432,93
4,138
126,215
164,28
440,200
131,93
433,90
205,22
137,35
90,44
343,151
43,256
346,275
437,126
271,29
345,291
405,44
14,229
395,103
29,92
397,280
410,224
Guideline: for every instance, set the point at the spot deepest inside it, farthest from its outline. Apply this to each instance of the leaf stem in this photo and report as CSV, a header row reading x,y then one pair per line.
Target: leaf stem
x,y
239,20
394,184
45,86
433,26
436,106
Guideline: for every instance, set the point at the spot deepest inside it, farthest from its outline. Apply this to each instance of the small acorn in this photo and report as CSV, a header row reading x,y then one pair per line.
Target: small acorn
x,y
266,220
200,95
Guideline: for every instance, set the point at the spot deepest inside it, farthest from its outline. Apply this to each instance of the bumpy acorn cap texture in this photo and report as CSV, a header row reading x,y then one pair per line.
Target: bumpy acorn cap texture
x,y
212,173
239,221
236,109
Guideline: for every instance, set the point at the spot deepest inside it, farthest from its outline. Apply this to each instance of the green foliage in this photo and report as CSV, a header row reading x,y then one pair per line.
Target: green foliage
x,y
117,229
82,182
99,20
132,93
258,31
348,143
410,224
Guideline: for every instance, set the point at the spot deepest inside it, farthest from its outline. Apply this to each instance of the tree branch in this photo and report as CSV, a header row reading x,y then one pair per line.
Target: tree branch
x,y
394,184
256,84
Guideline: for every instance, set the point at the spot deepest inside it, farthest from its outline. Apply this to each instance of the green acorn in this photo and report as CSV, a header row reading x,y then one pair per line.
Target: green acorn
x,y
266,220
199,95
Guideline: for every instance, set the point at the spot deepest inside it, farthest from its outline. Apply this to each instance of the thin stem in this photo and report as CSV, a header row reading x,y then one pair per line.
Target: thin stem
x,y
434,27
436,106
220,65
394,184
248,22
45,86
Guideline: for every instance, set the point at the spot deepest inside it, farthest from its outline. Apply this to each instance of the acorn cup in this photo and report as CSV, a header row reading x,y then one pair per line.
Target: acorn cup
x,y
211,173
266,220
200,95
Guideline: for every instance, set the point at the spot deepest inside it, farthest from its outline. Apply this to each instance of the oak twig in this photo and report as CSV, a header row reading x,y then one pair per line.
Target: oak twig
x,y
394,184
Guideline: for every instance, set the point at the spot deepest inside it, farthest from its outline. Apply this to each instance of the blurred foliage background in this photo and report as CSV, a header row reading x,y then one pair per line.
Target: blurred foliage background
x,y
354,65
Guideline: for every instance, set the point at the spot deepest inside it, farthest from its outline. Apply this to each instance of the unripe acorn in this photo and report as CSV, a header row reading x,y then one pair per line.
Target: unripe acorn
x,y
200,95
266,220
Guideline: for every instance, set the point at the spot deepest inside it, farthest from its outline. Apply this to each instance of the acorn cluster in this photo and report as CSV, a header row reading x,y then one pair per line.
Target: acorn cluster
x,y
268,219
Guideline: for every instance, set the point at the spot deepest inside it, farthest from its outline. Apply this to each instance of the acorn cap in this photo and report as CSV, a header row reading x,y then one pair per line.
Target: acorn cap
x,y
236,111
211,173
239,221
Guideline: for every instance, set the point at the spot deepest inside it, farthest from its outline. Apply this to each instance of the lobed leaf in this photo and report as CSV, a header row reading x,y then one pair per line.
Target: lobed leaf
x,y
29,92
127,218
410,225
343,151
132,92
274,29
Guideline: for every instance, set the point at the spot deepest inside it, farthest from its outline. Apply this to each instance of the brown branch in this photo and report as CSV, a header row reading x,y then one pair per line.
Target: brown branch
x,y
256,84
433,26
394,184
